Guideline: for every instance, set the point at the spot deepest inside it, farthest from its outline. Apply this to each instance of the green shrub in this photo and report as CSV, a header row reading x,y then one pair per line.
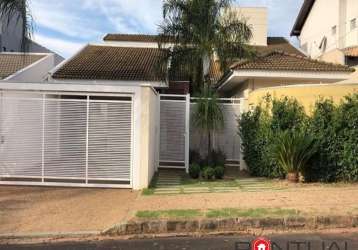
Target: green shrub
x,y
287,114
347,139
218,158
259,128
293,149
252,146
195,157
324,165
194,170
219,172
208,173
334,128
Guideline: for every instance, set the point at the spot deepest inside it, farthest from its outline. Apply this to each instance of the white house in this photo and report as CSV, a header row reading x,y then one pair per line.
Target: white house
x,y
99,119
328,30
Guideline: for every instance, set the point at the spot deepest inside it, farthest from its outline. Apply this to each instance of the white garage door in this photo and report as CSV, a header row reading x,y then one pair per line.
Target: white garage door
x,y
65,139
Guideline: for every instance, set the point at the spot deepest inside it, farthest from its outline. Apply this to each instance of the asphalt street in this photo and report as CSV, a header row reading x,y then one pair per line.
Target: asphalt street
x,y
279,242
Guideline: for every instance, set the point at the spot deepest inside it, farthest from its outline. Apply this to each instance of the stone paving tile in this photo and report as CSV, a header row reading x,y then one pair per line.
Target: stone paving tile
x,y
170,182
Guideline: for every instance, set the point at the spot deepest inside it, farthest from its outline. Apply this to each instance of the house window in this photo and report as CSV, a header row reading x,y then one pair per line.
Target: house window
x,y
334,30
353,24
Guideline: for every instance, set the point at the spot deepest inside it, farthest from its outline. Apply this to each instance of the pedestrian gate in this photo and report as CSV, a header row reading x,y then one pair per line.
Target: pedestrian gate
x,y
178,133
174,131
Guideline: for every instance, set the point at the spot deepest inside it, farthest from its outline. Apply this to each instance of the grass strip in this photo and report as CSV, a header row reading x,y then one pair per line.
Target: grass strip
x,y
250,213
169,214
218,213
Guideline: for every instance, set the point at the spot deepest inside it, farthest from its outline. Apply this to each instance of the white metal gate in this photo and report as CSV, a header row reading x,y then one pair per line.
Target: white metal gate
x,y
178,134
227,139
64,139
174,131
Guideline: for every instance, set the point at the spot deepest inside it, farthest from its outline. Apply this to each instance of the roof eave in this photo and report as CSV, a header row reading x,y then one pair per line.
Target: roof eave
x,y
284,74
154,83
302,16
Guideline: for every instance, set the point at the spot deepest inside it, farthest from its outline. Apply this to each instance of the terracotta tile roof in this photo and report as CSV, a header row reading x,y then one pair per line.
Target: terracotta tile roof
x,y
96,62
131,38
273,44
279,60
10,63
351,51
277,43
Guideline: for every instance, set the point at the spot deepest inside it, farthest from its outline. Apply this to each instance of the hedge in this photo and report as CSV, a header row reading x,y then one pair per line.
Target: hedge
x,y
335,128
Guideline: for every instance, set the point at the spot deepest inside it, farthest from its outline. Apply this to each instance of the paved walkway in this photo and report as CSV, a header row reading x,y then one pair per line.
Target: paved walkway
x,y
174,182
317,200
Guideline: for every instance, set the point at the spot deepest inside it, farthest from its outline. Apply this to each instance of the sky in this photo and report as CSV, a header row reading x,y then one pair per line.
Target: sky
x,y
65,26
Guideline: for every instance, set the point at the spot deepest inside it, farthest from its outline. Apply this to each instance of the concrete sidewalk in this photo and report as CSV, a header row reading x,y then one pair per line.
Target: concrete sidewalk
x,y
29,210
26,210
315,200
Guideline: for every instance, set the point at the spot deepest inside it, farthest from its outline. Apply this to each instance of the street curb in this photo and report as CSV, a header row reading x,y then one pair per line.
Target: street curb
x,y
49,235
238,225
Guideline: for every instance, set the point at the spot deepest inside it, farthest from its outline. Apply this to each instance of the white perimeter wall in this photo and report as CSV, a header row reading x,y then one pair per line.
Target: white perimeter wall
x,y
149,135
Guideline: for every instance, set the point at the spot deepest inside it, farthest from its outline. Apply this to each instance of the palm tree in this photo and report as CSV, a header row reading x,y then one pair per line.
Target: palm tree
x,y
207,115
18,10
200,30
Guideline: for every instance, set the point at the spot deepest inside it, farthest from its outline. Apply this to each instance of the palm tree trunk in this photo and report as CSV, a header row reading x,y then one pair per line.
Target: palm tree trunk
x,y
206,67
209,148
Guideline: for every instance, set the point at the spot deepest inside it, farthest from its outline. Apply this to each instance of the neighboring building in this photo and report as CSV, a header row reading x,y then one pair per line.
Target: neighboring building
x,y
328,30
10,40
257,19
28,67
278,68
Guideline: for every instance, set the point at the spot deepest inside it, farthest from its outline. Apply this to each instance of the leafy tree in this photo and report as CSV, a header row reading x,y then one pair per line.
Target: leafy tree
x,y
18,10
200,30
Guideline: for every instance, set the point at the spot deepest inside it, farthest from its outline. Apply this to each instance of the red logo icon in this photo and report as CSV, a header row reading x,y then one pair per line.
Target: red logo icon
x,y
261,244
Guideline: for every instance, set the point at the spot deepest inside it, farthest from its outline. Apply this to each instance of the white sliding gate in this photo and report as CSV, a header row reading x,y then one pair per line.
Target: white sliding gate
x,y
63,139
178,133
